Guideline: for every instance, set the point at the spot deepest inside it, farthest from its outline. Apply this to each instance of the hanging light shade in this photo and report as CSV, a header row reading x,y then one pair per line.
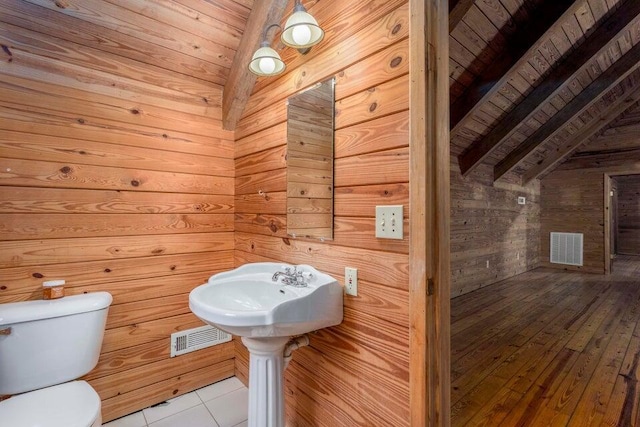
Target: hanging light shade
x,y
266,61
301,31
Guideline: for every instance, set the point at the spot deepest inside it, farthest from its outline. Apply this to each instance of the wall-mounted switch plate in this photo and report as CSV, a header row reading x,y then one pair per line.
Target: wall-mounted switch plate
x,y
522,200
389,222
351,281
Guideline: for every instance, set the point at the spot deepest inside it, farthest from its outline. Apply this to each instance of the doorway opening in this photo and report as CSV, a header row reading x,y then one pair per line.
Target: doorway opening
x,y
622,219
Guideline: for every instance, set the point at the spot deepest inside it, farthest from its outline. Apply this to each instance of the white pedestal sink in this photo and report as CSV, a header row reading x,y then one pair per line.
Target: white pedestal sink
x,y
248,302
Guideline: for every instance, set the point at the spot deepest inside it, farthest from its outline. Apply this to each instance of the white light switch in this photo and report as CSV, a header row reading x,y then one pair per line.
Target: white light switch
x,y
389,222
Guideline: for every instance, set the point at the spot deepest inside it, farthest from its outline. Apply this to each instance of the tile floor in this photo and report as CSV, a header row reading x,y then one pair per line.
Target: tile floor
x,y
223,404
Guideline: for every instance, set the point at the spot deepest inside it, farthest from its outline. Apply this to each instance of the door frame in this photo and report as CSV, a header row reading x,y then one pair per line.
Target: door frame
x,y
607,223
429,214
608,211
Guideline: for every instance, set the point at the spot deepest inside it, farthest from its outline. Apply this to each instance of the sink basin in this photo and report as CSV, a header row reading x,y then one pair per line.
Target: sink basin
x,y
248,303
266,313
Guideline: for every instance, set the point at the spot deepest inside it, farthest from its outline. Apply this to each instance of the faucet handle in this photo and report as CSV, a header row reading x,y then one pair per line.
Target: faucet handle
x,y
307,276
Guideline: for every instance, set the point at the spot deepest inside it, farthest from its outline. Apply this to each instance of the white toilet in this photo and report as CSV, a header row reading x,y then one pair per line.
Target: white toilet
x,y
44,345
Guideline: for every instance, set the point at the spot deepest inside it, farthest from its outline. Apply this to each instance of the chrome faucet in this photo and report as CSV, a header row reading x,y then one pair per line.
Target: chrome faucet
x,y
293,277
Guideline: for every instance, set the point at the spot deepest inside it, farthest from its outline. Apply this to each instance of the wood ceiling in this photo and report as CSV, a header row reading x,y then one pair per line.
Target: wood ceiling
x,y
194,38
531,80
616,144
173,54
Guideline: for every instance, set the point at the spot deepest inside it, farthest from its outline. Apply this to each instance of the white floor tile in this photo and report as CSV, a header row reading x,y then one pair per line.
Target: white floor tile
x,y
198,416
230,409
219,388
134,420
172,407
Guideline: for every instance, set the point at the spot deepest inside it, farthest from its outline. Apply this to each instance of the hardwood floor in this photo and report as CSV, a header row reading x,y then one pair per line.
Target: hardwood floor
x,y
549,347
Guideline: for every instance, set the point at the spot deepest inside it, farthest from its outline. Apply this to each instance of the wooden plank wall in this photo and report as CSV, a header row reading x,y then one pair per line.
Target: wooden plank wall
x,y
118,181
572,202
628,214
488,225
572,196
358,372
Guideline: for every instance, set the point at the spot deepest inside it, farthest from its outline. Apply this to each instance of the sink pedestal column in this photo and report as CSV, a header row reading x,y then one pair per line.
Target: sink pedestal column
x,y
266,378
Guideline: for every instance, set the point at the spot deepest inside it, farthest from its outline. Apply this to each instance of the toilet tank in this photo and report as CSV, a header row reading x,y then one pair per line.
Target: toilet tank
x,y
51,341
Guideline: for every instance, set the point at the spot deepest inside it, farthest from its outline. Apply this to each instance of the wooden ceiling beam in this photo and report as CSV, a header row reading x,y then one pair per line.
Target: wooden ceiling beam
x,y
527,38
240,82
624,66
574,62
615,162
457,10
553,160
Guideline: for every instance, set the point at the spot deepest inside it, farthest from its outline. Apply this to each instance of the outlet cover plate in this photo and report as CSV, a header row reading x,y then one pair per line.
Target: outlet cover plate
x,y
351,281
389,222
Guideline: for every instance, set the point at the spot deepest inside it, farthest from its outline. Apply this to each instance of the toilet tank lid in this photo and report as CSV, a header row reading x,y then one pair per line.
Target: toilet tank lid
x,y
26,311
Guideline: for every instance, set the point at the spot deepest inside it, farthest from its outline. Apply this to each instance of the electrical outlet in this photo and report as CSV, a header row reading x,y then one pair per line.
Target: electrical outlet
x,y
522,200
351,281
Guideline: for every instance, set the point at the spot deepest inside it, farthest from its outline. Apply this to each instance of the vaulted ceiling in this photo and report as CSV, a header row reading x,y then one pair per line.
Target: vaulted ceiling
x,y
174,55
532,81
194,38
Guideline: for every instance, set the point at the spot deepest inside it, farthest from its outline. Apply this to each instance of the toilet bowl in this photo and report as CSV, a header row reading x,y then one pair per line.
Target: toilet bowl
x,y
45,346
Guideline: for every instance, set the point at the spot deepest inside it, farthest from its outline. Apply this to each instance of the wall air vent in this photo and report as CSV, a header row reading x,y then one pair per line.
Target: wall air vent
x,y
566,248
197,338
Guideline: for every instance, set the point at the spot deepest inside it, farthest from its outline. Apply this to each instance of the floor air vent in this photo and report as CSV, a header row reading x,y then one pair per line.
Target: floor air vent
x,y
566,248
197,338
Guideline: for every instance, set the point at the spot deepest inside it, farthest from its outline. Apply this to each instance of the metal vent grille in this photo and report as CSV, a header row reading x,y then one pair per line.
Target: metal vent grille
x,y
197,338
566,248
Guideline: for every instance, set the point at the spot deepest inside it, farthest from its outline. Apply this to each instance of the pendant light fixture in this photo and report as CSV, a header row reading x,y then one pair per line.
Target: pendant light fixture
x,y
301,31
266,61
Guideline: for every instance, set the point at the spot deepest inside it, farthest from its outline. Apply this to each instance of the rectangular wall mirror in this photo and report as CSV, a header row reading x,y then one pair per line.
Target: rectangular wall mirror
x,y
310,122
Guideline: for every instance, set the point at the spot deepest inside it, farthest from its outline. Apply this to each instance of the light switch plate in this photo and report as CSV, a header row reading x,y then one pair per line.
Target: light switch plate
x,y
389,222
522,200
